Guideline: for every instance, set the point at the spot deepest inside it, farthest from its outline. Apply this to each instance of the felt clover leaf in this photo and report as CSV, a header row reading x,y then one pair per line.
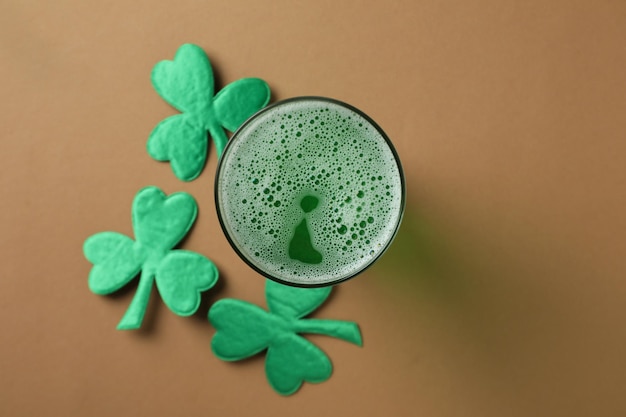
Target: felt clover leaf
x,y
187,84
243,330
159,222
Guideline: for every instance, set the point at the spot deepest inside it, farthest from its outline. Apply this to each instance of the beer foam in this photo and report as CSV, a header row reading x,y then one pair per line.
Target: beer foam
x,y
301,151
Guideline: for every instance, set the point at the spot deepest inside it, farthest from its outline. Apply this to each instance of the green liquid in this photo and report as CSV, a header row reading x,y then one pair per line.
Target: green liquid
x,y
309,192
300,246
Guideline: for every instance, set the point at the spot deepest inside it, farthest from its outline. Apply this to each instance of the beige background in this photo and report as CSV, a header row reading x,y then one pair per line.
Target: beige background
x,y
504,293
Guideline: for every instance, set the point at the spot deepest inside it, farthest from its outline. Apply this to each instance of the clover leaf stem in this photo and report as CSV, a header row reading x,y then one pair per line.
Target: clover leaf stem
x,y
137,309
344,330
218,135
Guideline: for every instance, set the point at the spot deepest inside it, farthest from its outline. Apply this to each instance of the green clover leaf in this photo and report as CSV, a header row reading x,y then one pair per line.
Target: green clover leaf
x,y
244,329
187,84
160,223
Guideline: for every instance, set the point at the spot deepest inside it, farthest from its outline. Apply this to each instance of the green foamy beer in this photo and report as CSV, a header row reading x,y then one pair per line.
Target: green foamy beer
x,y
309,191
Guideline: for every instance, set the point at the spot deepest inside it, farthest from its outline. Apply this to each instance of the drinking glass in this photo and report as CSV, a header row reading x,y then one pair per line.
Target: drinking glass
x,y
309,191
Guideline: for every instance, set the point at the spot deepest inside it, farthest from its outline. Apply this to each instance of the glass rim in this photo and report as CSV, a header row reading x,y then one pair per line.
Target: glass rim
x,y
235,136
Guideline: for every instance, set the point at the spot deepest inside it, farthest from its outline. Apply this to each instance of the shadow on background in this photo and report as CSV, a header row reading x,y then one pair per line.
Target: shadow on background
x,y
421,261
502,300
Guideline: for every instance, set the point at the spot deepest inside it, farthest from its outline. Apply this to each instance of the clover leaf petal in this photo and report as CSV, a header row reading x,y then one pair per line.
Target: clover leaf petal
x,y
181,277
160,222
187,81
294,302
182,142
239,100
115,261
293,360
243,329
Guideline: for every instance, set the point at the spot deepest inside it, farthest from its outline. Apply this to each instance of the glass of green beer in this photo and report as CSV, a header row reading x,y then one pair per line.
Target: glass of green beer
x,y
309,191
